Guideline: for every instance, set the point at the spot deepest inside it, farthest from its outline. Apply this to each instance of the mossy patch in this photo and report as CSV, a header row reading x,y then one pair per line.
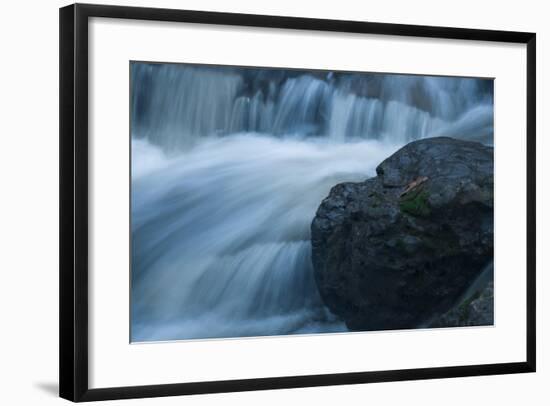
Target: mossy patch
x,y
377,199
464,308
463,312
415,203
400,244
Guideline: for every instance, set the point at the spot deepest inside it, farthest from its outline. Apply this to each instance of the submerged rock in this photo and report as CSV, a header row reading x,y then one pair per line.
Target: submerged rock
x,y
399,249
475,310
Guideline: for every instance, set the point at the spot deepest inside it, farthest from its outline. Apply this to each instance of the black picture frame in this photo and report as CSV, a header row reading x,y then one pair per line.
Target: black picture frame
x,y
73,254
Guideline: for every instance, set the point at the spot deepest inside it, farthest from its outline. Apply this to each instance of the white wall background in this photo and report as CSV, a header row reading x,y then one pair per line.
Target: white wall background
x,y
29,203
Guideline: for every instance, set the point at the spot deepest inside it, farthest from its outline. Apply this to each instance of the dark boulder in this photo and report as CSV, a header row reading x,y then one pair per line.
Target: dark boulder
x,y
399,249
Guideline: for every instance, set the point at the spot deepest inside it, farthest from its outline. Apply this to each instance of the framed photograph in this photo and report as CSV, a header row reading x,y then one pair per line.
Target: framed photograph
x,y
258,202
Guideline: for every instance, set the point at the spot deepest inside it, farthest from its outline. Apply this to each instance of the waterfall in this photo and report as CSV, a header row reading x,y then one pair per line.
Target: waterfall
x,y
228,168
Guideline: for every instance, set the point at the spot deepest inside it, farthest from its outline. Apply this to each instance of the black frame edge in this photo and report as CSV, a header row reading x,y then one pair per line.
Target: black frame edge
x,y
81,214
73,207
531,202
291,382
67,366
301,23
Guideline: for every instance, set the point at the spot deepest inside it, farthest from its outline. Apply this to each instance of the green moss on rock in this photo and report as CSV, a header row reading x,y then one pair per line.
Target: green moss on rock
x,y
415,203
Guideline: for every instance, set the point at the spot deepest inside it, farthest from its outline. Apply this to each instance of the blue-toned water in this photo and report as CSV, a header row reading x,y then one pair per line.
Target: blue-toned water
x,y
228,168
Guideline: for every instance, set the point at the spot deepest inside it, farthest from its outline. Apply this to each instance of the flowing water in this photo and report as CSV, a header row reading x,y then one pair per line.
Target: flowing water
x,y
228,168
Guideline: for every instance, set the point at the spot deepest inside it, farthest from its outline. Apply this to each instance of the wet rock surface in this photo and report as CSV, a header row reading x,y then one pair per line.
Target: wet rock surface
x,y
475,310
399,249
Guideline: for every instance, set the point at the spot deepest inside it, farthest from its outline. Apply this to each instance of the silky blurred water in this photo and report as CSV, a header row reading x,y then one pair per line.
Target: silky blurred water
x,y
228,168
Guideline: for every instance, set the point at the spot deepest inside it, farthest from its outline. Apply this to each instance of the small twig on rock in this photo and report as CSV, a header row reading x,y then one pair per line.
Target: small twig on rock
x,y
417,182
